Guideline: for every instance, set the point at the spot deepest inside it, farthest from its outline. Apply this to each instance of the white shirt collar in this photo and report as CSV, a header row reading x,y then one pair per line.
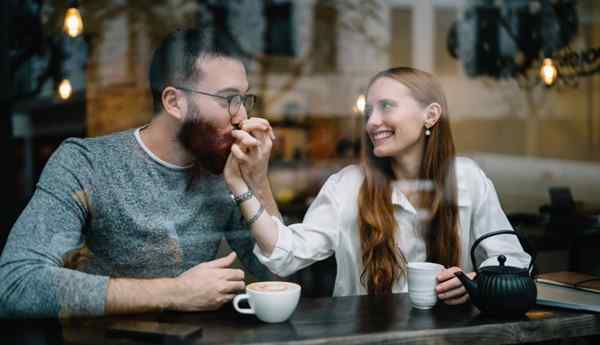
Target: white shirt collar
x,y
154,157
398,198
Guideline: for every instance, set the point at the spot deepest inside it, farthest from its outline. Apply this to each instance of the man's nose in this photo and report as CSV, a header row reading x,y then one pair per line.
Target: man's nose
x,y
240,116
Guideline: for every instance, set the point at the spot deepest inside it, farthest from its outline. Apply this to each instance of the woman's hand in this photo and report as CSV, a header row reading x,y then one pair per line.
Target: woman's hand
x,y
253,150
450,289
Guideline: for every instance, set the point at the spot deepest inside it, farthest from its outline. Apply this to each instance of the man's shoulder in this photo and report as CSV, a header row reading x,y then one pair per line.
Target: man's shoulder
x,y
94,146
102,142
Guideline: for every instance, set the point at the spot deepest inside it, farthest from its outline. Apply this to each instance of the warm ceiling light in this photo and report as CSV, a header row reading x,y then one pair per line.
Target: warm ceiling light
x,y
360,103
73,22
65,89
548,72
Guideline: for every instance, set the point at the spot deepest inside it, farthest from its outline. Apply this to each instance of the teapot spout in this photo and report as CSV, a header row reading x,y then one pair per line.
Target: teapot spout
x,y
470,285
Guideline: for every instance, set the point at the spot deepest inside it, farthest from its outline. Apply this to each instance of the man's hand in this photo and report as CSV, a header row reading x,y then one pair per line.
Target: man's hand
x,y
233,175
208,285
450,289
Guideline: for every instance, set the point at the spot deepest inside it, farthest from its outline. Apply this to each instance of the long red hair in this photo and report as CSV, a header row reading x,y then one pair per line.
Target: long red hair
x,y
383,263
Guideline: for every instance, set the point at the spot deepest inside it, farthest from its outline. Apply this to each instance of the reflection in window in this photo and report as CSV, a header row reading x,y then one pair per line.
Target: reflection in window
x,y
400,37
444,64
324,38
279,36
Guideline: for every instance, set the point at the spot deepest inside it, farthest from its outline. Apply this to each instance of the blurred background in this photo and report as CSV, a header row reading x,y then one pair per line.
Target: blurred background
x,y
521,79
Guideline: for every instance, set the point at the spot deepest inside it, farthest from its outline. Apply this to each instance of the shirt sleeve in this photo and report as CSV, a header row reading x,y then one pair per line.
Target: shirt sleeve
x,y
489,217
315,239
33,281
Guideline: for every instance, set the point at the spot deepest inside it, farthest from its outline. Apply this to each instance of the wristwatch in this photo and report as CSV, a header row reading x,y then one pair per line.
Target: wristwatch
x,y
240,198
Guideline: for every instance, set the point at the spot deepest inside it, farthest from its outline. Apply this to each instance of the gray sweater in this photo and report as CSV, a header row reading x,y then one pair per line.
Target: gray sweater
x,y
136,217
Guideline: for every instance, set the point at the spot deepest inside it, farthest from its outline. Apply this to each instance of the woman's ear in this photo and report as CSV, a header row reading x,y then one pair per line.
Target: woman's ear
x,y
432,114
173,103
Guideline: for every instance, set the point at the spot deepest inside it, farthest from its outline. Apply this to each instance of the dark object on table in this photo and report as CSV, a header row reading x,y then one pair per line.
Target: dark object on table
x,y
502,291
156,332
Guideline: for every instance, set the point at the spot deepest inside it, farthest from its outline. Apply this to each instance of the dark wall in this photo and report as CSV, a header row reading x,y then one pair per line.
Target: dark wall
x,y
9,204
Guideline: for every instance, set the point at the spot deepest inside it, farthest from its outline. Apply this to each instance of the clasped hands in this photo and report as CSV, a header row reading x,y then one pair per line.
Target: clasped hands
x,y
248,163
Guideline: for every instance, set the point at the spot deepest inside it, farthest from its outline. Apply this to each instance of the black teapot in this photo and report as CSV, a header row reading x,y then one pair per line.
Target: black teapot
x,y
502,291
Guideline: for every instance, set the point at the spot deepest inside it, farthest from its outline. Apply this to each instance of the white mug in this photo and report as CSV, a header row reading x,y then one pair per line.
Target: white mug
x,y
270,301
422,280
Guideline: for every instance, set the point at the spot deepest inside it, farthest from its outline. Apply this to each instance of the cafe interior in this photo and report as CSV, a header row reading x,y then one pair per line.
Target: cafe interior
x,y
522,80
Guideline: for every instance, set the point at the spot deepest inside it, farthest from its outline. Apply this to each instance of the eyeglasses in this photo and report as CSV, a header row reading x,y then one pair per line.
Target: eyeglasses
x,y
234,102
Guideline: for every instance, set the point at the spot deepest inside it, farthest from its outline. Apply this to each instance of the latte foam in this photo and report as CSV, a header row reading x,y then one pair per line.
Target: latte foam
x,y
270,287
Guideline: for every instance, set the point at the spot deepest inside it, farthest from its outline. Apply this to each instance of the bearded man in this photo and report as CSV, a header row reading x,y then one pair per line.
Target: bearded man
x,y
149,205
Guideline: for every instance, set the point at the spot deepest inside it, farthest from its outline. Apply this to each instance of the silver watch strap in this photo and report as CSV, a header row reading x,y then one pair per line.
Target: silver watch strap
x,y
238,199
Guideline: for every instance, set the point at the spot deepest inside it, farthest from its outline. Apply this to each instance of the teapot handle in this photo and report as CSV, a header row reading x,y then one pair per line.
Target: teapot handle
x,y
526,245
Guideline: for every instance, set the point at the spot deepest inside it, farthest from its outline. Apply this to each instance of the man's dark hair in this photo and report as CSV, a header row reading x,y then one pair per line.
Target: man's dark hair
x,y
173,62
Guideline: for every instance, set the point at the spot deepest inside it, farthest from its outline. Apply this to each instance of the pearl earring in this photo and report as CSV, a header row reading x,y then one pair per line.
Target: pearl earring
x,y
427,132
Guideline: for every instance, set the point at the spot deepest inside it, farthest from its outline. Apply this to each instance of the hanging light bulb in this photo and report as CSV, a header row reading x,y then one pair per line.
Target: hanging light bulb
x,y
548,72
73,23
360,103
65,89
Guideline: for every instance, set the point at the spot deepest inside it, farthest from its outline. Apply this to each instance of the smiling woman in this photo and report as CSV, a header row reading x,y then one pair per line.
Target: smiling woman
x,y
410,200
403,103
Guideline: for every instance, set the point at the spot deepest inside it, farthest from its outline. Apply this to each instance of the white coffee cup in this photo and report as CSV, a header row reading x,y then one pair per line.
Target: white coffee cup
x,y
270,301
422,280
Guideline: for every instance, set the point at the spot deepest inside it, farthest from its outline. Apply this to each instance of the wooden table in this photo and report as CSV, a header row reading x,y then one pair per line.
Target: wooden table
x,y
345,320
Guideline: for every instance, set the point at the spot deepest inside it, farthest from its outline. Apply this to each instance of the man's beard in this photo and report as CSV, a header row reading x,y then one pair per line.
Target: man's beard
x,y
204,141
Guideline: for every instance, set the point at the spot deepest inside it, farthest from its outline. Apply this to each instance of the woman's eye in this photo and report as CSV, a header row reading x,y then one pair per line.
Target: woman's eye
x,y
386,105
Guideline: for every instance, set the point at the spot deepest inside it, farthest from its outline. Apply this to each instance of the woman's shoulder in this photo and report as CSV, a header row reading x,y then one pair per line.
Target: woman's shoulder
x,y
348,175
467,169
345,182
472,181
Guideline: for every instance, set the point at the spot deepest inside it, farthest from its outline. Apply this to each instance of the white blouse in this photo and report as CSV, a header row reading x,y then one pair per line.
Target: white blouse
x,y
330,226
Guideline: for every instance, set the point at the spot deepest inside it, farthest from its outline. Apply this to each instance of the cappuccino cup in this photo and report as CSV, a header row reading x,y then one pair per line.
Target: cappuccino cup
x,y
422,280
270,301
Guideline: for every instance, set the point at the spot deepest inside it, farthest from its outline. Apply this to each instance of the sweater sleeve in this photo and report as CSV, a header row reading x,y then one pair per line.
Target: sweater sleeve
x,y
33,281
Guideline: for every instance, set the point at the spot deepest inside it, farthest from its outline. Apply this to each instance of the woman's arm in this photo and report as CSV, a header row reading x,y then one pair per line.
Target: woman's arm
x,y
283,249
488,216
263,227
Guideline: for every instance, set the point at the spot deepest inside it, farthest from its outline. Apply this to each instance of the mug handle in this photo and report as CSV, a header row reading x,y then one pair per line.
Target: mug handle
x,y
237,300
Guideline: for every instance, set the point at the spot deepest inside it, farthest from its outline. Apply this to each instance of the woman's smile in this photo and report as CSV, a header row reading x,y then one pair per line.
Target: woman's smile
x,y
380,136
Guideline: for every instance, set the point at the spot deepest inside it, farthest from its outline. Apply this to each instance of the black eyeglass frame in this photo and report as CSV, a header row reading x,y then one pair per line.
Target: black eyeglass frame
x,y
242,99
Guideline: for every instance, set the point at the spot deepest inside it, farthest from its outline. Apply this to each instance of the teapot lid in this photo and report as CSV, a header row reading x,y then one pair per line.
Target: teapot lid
x,y
502,269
